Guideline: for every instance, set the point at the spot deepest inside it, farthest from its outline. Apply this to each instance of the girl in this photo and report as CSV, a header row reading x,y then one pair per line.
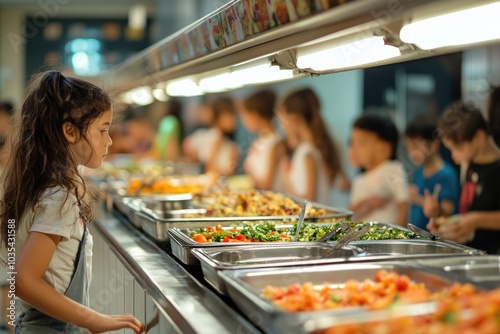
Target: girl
x,y
213,147
315,161
266,151
64,124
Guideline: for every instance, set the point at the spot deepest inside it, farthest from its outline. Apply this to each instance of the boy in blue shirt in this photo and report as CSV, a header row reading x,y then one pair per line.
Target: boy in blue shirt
x,y
433,175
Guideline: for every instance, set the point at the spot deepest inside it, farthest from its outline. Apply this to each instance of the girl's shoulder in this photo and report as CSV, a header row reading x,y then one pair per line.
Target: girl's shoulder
x,y
57,198
56,213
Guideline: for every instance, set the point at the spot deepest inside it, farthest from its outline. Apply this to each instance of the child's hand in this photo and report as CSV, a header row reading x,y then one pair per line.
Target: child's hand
x,y
431,205
366,206
463,231
433,227
107,323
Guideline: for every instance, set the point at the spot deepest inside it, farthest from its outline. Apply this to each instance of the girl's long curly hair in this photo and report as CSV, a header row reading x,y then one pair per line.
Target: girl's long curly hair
x,y
41,157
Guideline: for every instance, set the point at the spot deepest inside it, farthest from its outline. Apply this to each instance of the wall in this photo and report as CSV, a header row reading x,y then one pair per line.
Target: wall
x,y
11,56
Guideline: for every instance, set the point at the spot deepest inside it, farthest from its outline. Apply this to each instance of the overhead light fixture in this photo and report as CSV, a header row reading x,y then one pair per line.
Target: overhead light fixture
x,y
218,83
183,87
474,25
259,72
327,57
141,96
159,93
137,17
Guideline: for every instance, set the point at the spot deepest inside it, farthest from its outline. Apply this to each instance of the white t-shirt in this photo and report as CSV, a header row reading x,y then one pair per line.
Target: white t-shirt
x,y
203,141
50,218
389,181
259,159
299,177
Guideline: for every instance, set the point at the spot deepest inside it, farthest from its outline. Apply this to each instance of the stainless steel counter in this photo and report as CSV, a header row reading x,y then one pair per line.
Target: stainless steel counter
x,y
187,305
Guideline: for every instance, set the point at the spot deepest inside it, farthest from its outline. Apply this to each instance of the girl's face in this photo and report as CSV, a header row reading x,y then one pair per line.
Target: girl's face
x,y
227,122
290,124
91,154
250,120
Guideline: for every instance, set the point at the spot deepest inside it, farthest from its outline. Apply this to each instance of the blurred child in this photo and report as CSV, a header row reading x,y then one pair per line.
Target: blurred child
x,y
315,162
167,143
213,146
261,164
380,193
433,173
464,131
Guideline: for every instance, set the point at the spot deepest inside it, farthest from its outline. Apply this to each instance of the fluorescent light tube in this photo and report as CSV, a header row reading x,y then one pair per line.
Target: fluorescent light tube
x,y
260,74
218,83
141,96
160,94
183,87
467,26
361,52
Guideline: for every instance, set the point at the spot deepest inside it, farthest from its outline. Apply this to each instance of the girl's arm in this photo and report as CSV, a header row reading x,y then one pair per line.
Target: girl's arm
x,y
211,165
310,179
276,154
32,263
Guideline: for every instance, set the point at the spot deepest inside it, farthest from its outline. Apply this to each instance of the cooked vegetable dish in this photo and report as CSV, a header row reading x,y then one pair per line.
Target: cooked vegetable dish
x,y
268,232
385,290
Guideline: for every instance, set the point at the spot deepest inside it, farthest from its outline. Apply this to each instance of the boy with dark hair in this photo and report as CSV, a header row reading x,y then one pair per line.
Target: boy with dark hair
x,y
433,174
380,193
464,131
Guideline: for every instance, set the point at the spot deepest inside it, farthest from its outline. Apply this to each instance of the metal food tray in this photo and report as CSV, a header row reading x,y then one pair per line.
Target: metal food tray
x,y
157,222
320,324
244,288
182,244
309,254
270,255
177,216
483,270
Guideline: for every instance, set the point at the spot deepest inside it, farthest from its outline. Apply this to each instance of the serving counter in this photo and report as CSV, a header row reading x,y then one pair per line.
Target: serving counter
x,y
131,274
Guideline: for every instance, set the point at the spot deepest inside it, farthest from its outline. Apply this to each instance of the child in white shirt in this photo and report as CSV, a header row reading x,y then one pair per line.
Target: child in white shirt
x,y
380,193
257,113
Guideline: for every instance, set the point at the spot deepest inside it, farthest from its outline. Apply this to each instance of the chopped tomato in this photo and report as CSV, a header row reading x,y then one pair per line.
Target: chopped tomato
x,y
402,283
199,238
240,237
218,227
226,239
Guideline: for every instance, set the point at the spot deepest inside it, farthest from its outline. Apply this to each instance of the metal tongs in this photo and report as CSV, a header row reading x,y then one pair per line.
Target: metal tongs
x,y
356,232
300,222
344,226
422,232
